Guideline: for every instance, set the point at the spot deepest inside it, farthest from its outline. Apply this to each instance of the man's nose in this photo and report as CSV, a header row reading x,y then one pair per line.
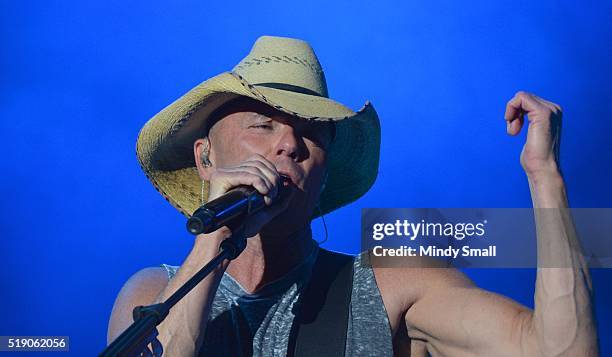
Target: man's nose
x,y
289,143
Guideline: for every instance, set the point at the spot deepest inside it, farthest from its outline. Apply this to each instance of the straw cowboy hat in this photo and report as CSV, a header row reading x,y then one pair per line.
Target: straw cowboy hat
x,y
285,74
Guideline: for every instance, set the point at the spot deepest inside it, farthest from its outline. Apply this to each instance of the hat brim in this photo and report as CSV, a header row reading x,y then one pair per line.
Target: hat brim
x,y
165,144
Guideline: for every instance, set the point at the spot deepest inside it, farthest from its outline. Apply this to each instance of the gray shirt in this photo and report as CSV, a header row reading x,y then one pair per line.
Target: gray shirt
x,y
266,317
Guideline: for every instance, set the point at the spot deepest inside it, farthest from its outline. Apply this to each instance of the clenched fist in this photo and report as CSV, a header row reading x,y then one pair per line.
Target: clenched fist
x,y
260,173
540,153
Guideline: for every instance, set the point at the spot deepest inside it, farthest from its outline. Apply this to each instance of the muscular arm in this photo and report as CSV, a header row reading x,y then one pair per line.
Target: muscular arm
x,y
454,318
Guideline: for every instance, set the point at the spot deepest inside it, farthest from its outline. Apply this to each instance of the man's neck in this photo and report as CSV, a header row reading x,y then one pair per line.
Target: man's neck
x,y
266,259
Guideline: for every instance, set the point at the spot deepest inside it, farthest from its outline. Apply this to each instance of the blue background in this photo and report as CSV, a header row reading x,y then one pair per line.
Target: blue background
x,y
79,78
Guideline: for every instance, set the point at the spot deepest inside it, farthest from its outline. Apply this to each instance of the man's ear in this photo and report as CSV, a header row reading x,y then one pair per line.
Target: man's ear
x,y
201,152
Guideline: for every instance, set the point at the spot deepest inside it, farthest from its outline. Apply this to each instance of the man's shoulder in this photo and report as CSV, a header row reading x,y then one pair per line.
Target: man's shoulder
x,y
404,280
149,276
142,288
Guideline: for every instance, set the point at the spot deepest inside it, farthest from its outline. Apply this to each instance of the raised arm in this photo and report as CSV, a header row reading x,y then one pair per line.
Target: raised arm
x,y
454,318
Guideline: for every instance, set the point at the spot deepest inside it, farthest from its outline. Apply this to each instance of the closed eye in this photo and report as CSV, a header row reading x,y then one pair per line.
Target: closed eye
x,y
262,126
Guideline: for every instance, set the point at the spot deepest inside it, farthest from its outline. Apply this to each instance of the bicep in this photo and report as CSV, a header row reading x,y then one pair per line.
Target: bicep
x,y
458,319
142,288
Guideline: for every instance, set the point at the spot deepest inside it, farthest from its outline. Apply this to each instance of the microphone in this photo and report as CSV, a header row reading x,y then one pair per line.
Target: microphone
x,y
228,209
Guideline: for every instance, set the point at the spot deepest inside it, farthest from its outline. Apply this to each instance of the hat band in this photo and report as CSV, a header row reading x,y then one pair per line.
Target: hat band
x,y
289,87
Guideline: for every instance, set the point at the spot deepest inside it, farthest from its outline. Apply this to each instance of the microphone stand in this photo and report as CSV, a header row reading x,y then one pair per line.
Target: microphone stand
x,y
135,339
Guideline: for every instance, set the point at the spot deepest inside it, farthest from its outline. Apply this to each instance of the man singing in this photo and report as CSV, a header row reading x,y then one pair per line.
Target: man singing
x,y
269,124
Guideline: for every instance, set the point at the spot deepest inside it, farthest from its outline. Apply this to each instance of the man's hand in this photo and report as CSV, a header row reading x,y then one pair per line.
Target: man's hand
x,y
540,153
260,173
